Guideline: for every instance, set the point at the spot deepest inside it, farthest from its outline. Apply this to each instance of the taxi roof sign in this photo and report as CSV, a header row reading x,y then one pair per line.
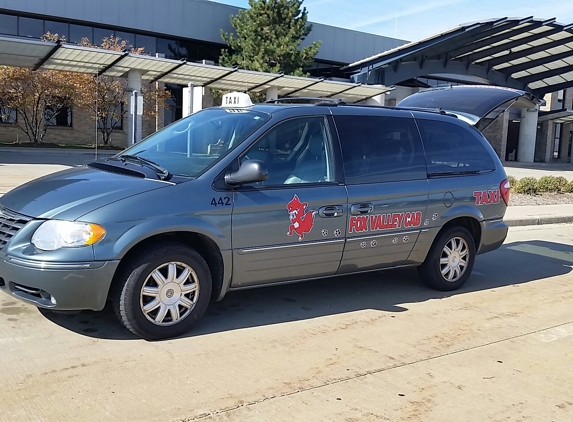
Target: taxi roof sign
x,y
236,100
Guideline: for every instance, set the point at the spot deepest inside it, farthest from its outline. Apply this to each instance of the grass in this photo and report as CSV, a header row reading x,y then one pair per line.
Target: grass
x,y
62,146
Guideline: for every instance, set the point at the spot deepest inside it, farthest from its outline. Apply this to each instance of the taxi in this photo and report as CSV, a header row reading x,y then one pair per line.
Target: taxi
x,y
243,195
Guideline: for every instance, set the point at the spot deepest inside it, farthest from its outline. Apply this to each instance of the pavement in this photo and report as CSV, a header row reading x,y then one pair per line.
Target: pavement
x,y
20,165
365,348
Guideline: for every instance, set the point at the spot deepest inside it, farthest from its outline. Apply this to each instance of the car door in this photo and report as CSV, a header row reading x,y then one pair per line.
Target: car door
x,y
385,175
293,225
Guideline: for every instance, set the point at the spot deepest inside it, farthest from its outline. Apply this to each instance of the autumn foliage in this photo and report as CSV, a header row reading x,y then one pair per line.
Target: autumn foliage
x,y
39,96
33,94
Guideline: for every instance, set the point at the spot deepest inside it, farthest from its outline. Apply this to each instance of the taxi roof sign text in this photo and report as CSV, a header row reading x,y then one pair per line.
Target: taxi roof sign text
x,y
236,100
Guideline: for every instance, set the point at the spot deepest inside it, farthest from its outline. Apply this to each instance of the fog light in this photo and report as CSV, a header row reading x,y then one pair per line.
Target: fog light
x,y
53,300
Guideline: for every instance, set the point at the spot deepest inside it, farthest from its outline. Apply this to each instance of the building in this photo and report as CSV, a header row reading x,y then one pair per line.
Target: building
x,y
527,54
176,29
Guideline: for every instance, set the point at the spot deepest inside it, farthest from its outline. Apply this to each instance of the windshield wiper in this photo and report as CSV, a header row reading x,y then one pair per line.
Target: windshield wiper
x,y
456,173
163,173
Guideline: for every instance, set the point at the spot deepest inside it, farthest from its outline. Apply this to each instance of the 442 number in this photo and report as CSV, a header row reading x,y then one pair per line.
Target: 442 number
x,y
222,201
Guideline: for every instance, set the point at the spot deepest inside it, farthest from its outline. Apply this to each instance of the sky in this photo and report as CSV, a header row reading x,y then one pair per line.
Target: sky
x,y
413,20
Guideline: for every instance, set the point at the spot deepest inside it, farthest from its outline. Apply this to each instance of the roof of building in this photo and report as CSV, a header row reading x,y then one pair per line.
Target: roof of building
x,y
17,51
192,20
556,116
529,54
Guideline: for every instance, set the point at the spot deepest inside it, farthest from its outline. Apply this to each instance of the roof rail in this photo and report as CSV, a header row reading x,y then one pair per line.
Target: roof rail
x,y
307,100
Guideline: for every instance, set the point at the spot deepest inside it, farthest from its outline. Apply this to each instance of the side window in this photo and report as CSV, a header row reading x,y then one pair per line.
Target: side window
x,y
295,151
380,149
451,149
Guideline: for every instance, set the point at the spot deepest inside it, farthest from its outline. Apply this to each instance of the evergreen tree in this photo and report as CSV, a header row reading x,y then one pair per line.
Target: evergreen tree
x,y
268,36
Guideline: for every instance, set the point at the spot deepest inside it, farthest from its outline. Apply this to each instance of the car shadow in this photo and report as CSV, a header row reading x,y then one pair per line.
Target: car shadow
x,y
385,291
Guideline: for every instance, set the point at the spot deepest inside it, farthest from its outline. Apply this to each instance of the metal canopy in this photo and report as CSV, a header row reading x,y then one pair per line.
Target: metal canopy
x,y
528,54
17,51
556,116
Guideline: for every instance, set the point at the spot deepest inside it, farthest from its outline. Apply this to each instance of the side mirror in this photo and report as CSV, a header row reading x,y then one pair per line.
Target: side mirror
x,y
249,172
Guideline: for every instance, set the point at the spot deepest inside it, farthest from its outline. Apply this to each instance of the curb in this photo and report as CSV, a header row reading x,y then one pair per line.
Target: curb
x,y
537,221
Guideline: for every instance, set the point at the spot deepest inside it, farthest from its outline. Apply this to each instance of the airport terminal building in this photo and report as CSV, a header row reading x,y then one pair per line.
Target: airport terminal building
x,y
174,29
527,54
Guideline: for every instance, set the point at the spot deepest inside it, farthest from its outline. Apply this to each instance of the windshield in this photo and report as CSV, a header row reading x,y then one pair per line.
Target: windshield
x,y
191,145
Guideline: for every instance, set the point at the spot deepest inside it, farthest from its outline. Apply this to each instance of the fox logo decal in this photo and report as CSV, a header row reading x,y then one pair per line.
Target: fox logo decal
x,y
301,222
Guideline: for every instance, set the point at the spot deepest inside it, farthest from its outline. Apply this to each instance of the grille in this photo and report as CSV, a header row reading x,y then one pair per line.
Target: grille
x,y
10,224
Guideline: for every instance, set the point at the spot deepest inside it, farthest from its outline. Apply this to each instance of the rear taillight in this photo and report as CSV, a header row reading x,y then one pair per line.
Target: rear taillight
x,y
504,189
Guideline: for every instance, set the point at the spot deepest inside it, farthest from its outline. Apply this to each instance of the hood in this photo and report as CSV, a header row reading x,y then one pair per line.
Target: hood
x,y
478,105
69,194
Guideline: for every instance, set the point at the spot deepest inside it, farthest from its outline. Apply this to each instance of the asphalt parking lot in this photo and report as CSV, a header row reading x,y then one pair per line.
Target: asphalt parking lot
x,y
364,348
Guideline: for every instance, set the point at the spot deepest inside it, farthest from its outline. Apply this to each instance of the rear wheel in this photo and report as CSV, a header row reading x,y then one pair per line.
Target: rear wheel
x,y
163,292
450,260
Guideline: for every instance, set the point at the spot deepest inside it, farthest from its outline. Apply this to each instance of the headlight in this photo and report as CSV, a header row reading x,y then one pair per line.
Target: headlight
x,y
56,234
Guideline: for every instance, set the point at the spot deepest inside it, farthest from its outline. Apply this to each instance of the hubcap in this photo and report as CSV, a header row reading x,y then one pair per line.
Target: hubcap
x,y
169,294
454,259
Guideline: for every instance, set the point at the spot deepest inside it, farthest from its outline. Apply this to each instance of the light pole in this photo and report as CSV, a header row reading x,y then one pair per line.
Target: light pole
x,y
96,108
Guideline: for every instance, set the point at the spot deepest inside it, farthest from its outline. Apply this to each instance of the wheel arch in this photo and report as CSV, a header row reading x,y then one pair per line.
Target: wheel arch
x,y
471,224
430,270
202,244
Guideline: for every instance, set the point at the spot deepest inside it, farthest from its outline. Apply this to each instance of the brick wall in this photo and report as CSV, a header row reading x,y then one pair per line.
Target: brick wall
x,y
496,134
82,132
544,142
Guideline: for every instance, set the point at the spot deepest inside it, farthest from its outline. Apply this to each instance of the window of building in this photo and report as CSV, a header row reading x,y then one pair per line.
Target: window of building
x,y
296,151
59,117
193,51
320,69
114,119
452,149
560,96
170,49
148,43
557,141
100,34
60,28
380,149
128,37
175,104
8,25
77,32
30,27
7,114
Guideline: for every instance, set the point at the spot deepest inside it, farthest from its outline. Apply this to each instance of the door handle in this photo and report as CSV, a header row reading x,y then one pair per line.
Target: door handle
x,y
331,211
360,209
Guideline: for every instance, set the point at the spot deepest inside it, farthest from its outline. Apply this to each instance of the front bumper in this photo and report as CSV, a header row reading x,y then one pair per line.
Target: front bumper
x,y
493,234
59,286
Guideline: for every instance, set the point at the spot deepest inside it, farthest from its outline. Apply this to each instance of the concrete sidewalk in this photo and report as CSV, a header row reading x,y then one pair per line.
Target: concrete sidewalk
x,y
538,214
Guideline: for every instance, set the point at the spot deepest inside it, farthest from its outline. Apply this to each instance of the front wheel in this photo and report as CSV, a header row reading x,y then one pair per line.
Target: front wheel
x,y
163,292
450,260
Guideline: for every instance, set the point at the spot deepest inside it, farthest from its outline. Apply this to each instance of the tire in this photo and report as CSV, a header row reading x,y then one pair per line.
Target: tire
x,y
446,271
162,292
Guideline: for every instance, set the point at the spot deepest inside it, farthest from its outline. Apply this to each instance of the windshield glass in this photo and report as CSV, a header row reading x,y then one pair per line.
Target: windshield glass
x,y
191,145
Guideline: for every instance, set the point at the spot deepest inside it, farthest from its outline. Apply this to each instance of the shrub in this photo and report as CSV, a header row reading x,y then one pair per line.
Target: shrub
x,y
562,182
526,185
568,187
548,184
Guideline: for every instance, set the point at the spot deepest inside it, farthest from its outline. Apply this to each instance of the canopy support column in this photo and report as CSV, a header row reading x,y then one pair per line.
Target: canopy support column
x,y
134,106
527,135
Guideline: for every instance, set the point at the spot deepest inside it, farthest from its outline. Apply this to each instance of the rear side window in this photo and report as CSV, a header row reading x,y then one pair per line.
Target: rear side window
x,y
380,149
452,149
